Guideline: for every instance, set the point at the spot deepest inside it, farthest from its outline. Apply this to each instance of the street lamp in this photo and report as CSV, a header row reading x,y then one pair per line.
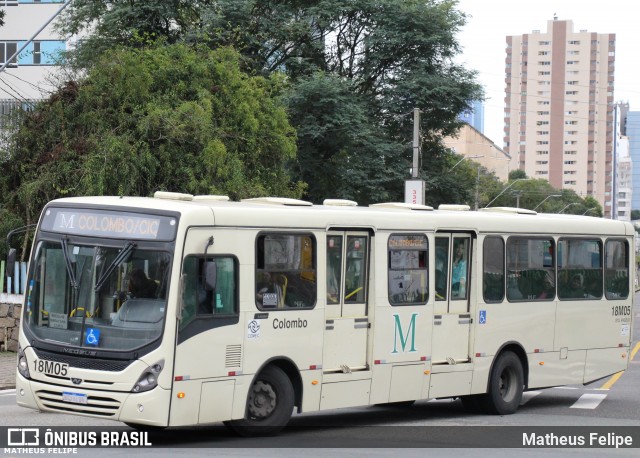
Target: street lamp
x,y
567,206
587,211
545,199
502,192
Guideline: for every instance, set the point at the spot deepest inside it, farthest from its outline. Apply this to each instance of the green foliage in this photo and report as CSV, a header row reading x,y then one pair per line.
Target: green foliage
x,y
538,194
357,70
517,175
341,154
8,222
635,215
166,118
2,17
108,24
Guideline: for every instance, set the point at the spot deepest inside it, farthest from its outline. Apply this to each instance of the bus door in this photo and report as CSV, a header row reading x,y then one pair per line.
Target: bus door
x,y
452,320
346,314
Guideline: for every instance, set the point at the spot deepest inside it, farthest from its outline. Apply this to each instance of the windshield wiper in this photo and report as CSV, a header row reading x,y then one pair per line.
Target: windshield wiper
x,y
122,257
68,263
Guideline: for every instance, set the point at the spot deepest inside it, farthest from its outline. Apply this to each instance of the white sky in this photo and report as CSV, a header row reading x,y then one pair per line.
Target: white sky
x,y
484,43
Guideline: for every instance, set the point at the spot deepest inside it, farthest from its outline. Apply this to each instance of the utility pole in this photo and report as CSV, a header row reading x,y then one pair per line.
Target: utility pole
x,y
416,143
517,194
414,187
477,188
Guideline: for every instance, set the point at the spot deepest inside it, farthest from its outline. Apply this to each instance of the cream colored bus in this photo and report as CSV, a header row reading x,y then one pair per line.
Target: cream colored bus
x,y
184,310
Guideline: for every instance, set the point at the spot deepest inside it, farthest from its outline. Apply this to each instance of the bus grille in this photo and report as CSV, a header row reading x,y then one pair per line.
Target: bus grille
x,y
96,405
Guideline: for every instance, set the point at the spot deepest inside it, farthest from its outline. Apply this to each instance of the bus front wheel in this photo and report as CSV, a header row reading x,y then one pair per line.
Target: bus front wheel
x,y
269,404
505,386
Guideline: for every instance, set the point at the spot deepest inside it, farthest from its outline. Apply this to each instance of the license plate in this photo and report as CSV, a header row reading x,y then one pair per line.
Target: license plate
x,y
76,398
51,367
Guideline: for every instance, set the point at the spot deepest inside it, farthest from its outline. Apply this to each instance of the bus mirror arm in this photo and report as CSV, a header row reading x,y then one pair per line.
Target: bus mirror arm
x,y
12,253
210,269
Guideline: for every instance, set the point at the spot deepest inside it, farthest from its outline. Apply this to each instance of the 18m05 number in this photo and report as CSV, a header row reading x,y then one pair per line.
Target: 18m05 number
x,y
51,367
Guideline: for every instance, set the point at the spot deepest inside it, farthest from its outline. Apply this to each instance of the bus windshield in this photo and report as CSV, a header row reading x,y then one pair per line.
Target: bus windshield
x,y
99,297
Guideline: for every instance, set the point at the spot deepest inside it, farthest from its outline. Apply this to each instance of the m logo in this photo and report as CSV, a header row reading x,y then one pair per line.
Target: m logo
x,y
404,338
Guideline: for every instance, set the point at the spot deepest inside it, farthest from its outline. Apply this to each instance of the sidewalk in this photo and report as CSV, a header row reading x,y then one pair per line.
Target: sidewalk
x,y
8,370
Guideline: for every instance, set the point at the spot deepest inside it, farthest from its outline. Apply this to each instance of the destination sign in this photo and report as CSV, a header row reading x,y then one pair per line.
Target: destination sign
x,y
109,224
418,242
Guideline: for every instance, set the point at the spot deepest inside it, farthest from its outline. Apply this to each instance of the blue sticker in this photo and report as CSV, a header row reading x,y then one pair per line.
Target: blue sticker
x,y
92,337
483,317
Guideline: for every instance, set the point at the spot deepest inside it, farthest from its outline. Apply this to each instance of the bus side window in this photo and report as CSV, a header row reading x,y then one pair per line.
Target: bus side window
x,y
529,277
356,270
285,271
442,267
493,269
202,302
408,270
334,268
579,268
617,269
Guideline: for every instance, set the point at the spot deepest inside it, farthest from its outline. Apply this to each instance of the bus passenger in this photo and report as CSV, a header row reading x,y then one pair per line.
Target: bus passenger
x,y
140,285
576,287
459,272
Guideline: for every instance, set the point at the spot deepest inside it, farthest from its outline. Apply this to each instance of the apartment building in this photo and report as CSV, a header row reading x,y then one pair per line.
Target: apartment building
x,y
559,113
472,143
632,130
26,77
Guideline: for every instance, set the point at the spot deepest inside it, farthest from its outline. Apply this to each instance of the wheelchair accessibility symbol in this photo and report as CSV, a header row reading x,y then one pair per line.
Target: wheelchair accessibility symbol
x,y
483,317
92,337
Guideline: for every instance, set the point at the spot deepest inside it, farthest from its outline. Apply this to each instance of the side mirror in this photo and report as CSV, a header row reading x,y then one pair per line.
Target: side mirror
x,y
210,275
11,260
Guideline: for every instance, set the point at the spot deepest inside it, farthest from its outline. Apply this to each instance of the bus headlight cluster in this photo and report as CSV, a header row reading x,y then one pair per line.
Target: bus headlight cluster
x,y
23,365
149,378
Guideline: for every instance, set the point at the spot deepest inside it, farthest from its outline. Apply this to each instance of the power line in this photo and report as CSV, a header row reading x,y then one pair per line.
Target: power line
x,y
35,86
13,92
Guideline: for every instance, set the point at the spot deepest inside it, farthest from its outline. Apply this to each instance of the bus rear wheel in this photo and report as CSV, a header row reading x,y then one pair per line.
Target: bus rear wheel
x,y
505,386
269,405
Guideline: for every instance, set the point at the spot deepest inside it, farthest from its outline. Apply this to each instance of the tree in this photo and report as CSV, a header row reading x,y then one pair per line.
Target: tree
x,y
635,215
517,174
165,118
386,57
1,18
107,24
531,193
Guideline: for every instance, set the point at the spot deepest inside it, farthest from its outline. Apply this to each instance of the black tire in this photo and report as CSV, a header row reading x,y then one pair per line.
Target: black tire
x,y
506,385
269,405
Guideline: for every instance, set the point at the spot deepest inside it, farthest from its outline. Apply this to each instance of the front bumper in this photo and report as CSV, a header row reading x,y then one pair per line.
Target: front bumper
x,y
147,408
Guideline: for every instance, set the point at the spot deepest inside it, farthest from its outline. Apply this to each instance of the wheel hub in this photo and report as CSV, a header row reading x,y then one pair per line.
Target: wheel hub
x,y
262,400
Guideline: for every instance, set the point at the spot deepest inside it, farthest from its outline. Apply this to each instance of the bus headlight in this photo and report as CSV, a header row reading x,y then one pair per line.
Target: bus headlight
x,y
149,378
23,365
